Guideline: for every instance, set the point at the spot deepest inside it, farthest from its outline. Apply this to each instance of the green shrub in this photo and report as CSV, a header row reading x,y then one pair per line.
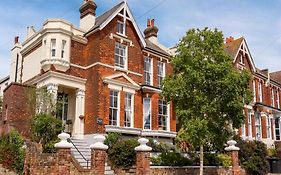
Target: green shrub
x,y
45,129
112,138
122,154
172,158
12,152
224,160
253,157
160,146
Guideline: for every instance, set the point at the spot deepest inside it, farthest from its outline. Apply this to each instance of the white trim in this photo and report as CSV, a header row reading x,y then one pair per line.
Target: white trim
x,y
122,38
169,117
125,130
132,84
128,90
63,79
114,87
158,133
105,65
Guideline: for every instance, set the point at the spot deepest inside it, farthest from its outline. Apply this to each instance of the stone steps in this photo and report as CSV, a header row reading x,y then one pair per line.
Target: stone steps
x,y
85,150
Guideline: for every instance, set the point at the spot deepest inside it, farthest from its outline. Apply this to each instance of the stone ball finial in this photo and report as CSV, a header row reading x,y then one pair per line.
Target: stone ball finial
x,y
63,141
143,146
99,143
231,146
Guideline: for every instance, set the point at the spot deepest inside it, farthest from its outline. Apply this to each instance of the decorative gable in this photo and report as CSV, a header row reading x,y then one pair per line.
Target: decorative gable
x,y
239,51
121,80
123,11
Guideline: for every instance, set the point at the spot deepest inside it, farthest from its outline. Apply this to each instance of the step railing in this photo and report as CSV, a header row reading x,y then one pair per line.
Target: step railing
x,y
88,167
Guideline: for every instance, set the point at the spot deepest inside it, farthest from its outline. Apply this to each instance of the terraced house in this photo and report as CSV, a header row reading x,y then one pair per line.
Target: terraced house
x,y
105,74
262,115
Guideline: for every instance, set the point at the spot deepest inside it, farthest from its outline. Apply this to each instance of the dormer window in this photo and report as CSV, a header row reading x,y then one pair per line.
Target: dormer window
x,y
120,28
63,48
120,55
53,47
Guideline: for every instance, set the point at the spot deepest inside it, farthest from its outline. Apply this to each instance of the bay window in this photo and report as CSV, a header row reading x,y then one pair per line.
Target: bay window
x,y
258,125
268,127
53,47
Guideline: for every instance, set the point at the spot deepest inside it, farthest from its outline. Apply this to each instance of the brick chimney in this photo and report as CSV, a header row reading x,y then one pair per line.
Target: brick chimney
x,y
229,39
16,40
87,14
151,31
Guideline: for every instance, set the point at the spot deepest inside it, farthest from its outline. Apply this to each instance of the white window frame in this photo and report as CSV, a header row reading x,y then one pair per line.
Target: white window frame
x,y
148,72
53,47
160,77
116,108
268,127
241,59
260,90
254,90
277,98
119,23
277,128
250,133
130,110
145,114
162,104
63,46
120,47
272,97
258,125
243,127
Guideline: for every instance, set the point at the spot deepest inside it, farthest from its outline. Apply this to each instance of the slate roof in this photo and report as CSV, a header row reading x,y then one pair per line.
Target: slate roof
x,y
276,76
233,47
154,47
4,79
102,18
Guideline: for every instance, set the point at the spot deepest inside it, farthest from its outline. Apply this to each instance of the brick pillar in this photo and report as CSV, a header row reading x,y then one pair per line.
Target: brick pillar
x,y
98,155
143,157
236,170
63,154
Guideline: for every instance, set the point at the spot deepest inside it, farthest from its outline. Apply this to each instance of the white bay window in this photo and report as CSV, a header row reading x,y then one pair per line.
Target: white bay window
x,y
128,110
161,73
114,108
163,115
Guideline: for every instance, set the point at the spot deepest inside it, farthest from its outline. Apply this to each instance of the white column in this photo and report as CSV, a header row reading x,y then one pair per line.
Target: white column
x,y
79,114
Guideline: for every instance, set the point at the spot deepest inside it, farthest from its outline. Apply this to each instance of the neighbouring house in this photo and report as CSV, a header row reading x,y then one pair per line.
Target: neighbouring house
x,y
3,84
262,115
105,75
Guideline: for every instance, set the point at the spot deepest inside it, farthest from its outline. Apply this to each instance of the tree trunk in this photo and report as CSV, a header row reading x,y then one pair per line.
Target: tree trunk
x,y
201,159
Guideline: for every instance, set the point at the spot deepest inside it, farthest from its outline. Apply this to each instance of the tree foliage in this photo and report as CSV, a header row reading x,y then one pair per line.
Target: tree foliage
x,y
208,92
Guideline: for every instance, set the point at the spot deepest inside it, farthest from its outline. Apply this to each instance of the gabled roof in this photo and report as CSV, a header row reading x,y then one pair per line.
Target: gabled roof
x,y
232,48
104,19
276,76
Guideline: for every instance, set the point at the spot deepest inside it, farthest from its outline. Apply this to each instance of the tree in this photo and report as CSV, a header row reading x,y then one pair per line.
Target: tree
x,y
209,93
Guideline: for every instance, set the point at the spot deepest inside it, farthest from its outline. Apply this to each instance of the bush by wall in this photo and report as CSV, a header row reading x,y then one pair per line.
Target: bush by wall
x,y
12,152
172,158
45,129
252,156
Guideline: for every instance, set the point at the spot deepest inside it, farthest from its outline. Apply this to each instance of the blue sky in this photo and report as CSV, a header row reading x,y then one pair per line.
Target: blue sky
x,y
258,21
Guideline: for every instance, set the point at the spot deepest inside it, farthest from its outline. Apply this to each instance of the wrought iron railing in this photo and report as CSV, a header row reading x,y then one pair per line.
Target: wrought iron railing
x,y
80,153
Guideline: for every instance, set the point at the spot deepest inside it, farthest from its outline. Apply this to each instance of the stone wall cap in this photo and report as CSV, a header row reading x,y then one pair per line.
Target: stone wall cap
x,y
63,141
99,143
143,146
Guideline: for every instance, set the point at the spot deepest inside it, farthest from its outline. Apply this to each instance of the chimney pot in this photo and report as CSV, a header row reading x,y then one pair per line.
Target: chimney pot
x,y
229,39
16,39
152,22
148,23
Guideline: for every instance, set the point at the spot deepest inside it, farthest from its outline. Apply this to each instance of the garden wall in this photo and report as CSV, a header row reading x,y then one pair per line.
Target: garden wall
x,y
191,170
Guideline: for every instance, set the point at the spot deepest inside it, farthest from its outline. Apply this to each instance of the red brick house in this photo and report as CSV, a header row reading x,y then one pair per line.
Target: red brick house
x,y
262,115
105,75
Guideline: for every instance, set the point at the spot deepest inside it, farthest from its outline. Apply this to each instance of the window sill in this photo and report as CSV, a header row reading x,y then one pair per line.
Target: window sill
x,y
122,35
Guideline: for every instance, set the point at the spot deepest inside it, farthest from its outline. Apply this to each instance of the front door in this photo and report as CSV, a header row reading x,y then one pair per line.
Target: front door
x,y
62,109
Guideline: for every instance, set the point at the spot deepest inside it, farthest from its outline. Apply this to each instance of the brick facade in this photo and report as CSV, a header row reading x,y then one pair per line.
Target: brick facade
x,y
17,109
